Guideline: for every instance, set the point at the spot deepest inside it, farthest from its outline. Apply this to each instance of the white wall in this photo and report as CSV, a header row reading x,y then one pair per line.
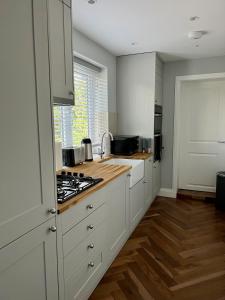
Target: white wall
x,y
171,70
96,53
135,94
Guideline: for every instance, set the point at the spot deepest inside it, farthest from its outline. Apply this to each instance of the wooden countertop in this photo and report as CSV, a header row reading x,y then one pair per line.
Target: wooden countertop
x,y
139,155
94,169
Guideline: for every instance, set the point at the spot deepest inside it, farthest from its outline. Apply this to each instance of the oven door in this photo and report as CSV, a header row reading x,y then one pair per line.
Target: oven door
x,y
157,147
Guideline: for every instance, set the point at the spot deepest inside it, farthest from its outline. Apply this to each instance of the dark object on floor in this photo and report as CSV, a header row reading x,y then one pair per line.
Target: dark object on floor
x,y
220,190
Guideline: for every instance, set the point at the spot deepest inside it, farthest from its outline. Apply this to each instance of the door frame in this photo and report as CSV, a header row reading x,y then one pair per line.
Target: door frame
x,y
177,121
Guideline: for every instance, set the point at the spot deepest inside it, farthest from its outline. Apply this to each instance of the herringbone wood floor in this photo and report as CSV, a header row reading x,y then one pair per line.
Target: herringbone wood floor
x,y
176,252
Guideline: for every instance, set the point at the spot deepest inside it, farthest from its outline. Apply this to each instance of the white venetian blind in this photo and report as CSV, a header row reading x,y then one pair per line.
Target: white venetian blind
x,y
89,116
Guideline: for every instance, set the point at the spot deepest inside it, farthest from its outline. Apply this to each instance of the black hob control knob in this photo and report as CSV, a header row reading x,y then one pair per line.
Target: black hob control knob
x,y
63,173
69,173
81,174
75,174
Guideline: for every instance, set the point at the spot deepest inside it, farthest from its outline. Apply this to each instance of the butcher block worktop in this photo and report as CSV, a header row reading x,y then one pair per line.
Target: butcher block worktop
x,y
97,170
138,155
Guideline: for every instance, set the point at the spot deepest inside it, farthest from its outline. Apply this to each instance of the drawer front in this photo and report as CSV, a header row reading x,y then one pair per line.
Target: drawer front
x,y
81,210
85,251
83,230
82,277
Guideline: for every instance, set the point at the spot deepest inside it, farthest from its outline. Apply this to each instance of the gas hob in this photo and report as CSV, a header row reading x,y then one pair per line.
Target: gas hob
x,y
71,184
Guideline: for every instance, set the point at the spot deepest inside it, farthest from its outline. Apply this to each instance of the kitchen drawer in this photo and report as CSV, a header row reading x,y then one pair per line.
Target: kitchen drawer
x,y
82,209
82,277
83,230
85,251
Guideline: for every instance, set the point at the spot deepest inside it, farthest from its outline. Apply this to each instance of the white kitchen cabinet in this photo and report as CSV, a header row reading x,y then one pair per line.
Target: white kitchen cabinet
x,y
148,197
158,80
139,88
61,55
136,204
28,266
83,251
27,175
156,178
118,218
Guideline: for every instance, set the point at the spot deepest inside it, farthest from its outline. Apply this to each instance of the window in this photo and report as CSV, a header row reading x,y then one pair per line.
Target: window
x,y
89,116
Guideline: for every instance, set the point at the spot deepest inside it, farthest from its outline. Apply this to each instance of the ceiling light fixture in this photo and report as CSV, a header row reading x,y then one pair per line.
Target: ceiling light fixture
x,y
92,1
196,35
194,18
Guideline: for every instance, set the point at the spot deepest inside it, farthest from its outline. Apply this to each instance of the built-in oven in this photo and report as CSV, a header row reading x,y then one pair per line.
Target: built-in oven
x,y
158,133
157,147
158,119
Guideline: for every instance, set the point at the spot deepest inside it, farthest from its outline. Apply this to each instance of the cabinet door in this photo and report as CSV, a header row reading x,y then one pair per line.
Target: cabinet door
x,y
156,178
118,223
27,175
28,266
136,203
60,35
148,182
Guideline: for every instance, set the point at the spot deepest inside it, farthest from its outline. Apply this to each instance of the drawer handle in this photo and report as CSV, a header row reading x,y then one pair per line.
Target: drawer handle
x,y
91,264
91,246
128,175
90,206
52,211
90,227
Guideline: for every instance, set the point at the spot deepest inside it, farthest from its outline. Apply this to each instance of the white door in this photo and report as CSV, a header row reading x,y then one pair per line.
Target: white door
x,y
202,117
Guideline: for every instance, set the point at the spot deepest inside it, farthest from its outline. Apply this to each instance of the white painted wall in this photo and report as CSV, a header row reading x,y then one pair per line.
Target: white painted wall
x,y
96,53
171,70
135,94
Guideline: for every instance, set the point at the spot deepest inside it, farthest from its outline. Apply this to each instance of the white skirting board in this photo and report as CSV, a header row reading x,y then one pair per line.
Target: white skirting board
x,y
167,193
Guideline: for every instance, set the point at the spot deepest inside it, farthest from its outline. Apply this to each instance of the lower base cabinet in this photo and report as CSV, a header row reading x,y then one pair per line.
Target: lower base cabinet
x,y
148,193
28,266
118,216
156,178
136,203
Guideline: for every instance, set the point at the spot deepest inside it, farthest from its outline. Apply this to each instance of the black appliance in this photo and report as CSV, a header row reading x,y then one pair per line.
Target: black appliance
x,y
71,184
124,144
158,133
157,147
158,119
220,191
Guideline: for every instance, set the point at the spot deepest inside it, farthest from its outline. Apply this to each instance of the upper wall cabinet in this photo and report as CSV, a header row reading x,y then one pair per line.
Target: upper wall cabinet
x,y
27,176
61,57
158,80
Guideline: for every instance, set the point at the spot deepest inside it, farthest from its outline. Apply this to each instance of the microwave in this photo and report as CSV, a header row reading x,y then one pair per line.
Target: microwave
x,y
124,144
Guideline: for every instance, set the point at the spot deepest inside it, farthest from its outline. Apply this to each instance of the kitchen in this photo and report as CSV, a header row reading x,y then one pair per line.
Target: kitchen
x,y
93,221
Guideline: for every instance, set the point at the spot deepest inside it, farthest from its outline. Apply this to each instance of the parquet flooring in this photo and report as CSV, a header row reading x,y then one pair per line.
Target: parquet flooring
x,y
176,252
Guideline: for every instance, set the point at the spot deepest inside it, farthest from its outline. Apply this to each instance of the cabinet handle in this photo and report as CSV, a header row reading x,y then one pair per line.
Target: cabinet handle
x,y
53,228
128,175
90,206
91,246
91,264
52,211
145,182
71,93
90,227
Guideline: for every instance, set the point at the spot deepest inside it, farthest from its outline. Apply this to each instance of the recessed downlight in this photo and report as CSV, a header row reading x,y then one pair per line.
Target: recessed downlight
x,y
194,18
92,1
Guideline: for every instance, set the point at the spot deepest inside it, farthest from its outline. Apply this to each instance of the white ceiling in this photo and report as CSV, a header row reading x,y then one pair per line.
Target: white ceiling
x,y
154,25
